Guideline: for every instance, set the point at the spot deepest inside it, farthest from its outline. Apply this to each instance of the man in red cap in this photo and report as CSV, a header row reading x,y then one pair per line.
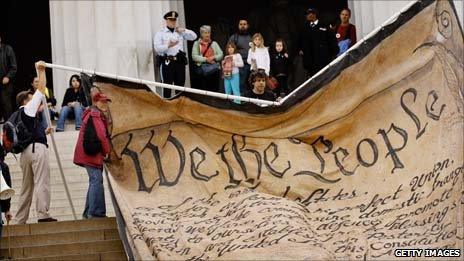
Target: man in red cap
x,y
93,146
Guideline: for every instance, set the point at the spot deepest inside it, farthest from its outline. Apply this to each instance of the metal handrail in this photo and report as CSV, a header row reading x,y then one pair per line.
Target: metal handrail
x,y
150,84
49,123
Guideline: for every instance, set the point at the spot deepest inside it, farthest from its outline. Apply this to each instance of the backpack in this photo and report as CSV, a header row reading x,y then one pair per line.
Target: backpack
x,y
16,137
227,66
91,142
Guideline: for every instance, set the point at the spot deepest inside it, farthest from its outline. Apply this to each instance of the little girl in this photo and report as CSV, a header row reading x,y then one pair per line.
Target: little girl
x,y
258,55
279,67
230,72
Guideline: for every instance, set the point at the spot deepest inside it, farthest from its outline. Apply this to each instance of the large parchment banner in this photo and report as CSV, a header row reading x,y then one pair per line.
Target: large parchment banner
x,y
366,159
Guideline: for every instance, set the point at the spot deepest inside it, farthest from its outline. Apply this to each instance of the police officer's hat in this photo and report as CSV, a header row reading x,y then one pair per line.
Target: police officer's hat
x,y
171,15
311,10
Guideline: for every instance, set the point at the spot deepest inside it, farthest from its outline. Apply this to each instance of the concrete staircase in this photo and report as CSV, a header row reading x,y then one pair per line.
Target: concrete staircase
x,y
76,178
93,239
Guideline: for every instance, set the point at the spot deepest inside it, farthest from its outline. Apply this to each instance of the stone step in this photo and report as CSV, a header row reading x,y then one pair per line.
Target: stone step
x,y
63,204
60,238
64,217
105,256
58,183
65,149
73,175
60,196
61,199
64,213
66,163
64,226
74,248
92,239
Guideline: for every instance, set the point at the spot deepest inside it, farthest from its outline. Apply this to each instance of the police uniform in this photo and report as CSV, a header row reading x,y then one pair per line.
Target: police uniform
x,y
318,44
172,60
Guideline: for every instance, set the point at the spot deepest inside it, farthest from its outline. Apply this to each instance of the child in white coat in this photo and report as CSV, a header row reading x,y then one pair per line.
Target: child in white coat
x,y
258,55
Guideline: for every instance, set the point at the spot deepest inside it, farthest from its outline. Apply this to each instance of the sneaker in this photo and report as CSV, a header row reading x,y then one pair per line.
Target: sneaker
x,y
50,219
59,130
78,128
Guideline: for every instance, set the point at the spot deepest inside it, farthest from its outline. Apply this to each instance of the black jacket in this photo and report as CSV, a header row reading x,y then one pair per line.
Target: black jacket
x,y
279,64
72,96
7,61
319,46
33,125
5,204
267,95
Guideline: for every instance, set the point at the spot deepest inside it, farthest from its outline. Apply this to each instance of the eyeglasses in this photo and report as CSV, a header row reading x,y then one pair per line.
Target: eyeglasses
x,y
172,19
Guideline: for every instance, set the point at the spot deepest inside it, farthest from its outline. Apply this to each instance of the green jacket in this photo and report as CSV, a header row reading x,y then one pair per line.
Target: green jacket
x,y
199,59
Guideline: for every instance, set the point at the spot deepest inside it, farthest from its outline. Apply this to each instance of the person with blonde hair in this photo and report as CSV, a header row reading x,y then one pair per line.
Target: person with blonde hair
x,y
258,55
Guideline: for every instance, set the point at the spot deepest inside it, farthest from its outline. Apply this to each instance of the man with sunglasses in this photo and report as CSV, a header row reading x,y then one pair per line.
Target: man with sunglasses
x,y
169,45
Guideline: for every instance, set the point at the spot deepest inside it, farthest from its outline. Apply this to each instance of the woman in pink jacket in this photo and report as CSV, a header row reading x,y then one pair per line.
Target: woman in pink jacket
x,y
95,202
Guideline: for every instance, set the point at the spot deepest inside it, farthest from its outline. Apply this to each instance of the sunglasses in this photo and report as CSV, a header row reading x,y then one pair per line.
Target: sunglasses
x,y
172,19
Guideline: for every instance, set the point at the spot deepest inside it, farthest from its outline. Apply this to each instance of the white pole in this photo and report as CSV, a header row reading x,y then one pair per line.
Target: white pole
x,y
49,123
164,85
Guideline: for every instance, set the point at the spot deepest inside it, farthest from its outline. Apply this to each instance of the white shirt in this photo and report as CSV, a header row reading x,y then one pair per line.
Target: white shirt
x,y
33,105
164,36
314,23
238,62
261,55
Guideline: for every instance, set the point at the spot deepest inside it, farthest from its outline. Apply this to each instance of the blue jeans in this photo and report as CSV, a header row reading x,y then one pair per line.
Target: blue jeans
x,y
232,85
95,202
64,114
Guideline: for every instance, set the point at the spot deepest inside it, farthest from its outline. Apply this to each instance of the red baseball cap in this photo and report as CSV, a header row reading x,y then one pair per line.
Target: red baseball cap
x,y
101,97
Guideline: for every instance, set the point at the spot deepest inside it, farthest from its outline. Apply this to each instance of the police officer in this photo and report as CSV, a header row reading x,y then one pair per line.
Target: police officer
x,y
169,43
317,44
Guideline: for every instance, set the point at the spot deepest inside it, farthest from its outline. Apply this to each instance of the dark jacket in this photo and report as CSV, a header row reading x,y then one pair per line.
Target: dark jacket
x,y
267,95
279,64
100,123
72,96
319,46
33,124
7,62
5,204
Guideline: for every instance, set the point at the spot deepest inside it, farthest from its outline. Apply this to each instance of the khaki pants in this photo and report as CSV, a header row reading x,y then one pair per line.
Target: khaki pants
x,y
36,179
